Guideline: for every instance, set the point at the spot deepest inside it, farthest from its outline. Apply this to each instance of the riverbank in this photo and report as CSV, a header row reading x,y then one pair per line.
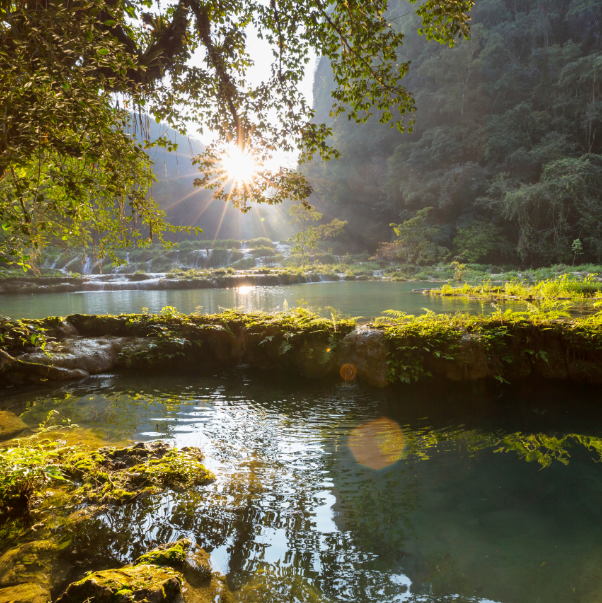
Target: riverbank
x,y
459,347
163,282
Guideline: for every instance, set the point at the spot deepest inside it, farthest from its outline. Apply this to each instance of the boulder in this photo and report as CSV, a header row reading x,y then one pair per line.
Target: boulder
x,y
365,349
185,556
17,371
93,355
141,583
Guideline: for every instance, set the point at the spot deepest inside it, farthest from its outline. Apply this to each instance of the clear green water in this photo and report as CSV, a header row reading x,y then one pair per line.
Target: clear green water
x,y
462,493
356,298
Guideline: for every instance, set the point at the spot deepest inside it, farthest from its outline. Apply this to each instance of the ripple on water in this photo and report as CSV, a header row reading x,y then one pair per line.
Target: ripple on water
x,y
330,491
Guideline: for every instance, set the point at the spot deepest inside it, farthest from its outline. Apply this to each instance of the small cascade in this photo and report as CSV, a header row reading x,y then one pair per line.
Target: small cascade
x,y
282,248
66,266
87,265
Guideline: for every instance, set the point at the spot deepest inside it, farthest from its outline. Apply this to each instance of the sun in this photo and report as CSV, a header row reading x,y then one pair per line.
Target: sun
x,y
240,166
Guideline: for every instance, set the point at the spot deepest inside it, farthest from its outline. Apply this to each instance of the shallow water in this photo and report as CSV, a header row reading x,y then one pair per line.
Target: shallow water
x,y
360,495
356,298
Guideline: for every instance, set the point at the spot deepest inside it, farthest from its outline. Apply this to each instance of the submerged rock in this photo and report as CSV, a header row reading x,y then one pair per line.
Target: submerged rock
x,y
36,562
10,425
29,592
140,583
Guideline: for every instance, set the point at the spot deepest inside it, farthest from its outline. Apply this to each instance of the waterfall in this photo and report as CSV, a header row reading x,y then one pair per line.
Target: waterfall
x,y
87,265
64,268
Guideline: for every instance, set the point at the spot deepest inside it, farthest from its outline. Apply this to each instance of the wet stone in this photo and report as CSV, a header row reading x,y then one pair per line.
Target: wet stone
x,y
141,583
184,556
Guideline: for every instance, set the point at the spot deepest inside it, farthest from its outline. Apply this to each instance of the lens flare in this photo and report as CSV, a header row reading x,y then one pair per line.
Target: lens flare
x,y
348,372
377,444
240,166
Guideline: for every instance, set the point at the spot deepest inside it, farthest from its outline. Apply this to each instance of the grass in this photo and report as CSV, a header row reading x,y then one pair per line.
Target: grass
x,y
565,287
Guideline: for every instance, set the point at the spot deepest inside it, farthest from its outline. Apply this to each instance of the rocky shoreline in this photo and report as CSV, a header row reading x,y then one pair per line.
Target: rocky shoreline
x,y
459,348
157,282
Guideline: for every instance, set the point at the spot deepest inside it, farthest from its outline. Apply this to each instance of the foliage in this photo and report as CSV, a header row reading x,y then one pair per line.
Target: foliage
x,y
20,336
73,71
24,469
506,138
415,241
475,242
308,238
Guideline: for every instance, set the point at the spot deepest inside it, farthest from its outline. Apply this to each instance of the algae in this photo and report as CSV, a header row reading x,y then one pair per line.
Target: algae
x,y
142,583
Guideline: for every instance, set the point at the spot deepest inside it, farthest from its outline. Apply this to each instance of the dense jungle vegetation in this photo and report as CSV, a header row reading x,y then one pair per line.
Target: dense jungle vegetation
x,y
505,149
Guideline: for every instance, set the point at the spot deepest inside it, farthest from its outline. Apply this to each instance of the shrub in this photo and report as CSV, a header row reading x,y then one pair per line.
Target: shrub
x,y
244,264
260,242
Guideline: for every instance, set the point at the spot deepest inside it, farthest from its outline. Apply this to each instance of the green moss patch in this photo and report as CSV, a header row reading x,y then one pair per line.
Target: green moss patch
x,y
118,475
142,583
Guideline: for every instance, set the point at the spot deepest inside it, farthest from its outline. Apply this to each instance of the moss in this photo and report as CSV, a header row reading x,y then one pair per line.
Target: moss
x,y
143,583
119,475
173,555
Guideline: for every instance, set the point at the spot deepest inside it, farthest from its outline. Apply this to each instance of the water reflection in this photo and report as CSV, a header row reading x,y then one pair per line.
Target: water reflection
x,y
366,299
338,493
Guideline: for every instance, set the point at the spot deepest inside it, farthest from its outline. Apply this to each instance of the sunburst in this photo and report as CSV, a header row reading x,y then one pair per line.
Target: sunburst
x,y
240,166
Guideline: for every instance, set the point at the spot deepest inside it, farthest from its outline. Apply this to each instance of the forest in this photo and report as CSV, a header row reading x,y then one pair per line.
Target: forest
x,y
505,148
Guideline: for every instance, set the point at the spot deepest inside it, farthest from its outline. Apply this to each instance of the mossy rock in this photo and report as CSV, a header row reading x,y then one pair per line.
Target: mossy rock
x,y
184,556
141,583
29,592
118,475
10,425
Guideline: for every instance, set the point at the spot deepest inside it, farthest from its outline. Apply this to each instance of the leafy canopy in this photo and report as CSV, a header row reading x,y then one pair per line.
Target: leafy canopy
x,y
73,70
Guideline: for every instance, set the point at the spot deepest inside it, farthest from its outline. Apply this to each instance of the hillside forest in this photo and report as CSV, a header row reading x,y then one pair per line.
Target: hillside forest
x,y
503,164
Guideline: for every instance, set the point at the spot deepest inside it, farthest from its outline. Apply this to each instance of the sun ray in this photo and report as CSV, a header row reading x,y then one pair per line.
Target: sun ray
x,y
239,165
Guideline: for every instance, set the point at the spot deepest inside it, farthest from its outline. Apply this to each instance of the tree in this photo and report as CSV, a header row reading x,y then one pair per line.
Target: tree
x,y
307,240
492,113
476,241
65,63
414,243
563,206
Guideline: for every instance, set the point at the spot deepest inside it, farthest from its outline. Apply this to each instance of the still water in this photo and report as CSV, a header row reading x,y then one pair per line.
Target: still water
x,y
333,492
355,298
